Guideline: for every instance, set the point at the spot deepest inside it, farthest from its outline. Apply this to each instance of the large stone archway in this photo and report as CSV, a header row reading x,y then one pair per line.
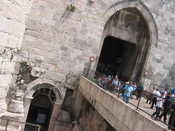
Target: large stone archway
x,y
147,15
140,30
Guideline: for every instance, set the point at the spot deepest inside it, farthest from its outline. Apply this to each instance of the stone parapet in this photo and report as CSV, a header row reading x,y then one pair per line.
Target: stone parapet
x,y
121,116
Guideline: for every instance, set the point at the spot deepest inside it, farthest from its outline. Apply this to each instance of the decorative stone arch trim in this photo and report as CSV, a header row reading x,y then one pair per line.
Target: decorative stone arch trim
x,y
147,16
143,10
59,92
30,88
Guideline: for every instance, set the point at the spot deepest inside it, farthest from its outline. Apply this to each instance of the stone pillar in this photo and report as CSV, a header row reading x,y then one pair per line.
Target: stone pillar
x,y
89,70
15,114
16,104
27,103
56,111
86,69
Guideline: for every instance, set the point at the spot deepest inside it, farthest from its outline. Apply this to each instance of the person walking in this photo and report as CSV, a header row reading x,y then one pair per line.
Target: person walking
x,y
134,86
156,94
166,107
116,84
159,105
128,89
171,122
139,91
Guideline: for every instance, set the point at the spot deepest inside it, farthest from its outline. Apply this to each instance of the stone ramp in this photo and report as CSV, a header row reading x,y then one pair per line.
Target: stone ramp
x,y
119,115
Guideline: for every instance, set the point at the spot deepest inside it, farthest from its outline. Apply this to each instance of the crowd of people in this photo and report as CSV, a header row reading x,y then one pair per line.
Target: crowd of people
x,y
124,89
162,100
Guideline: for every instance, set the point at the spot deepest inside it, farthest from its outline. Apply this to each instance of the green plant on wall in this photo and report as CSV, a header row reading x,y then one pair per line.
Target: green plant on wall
x,y
90,2
71,8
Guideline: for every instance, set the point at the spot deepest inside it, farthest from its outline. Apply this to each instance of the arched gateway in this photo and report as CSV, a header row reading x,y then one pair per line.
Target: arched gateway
x,y
44,105
127,37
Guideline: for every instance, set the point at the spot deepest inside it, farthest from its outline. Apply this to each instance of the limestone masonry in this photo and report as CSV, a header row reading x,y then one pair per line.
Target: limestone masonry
x,y
56,38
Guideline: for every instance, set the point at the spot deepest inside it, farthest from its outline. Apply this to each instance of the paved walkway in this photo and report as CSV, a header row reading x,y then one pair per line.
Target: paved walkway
x,y
145,109
143,105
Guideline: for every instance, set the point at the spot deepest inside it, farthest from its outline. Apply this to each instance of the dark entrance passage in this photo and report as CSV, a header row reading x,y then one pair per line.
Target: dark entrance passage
x,y
41,109
117,57
126,45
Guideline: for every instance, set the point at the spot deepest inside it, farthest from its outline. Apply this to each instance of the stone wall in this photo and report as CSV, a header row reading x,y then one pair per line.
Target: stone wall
x,y
77,114
86,117
161,56
118,114
59,40
12,27
64,40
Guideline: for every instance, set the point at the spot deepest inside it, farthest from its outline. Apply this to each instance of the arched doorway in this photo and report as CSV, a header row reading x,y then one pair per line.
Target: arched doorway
x,y
41,107
125,45
117,57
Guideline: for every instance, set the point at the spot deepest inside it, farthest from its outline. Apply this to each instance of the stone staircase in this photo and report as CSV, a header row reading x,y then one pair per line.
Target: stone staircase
x,y
6,125
9,121
63,122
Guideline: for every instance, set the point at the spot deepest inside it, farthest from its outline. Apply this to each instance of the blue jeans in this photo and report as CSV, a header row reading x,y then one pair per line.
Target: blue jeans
x,y
125,98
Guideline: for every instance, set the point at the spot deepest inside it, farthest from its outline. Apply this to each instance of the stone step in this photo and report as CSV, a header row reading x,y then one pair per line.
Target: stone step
x,y
10,125
9,128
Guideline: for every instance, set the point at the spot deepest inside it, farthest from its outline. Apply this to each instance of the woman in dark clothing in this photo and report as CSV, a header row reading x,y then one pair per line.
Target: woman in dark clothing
x,y
171,122
166,107
139,91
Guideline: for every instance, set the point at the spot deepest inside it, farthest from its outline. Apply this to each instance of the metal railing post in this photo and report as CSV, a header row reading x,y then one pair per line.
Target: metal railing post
x,y
118,90
6,125
138,104
39,127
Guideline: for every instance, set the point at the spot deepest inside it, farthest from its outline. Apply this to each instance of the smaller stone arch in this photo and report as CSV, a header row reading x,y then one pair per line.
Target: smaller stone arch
x,y
44,84
31,88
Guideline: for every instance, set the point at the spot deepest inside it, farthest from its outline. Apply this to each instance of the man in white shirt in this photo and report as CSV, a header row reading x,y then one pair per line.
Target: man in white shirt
x,y
156,93
159,105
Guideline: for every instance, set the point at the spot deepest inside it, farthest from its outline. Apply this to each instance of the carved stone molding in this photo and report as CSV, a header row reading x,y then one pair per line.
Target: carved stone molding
x,y
7,53
71,80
